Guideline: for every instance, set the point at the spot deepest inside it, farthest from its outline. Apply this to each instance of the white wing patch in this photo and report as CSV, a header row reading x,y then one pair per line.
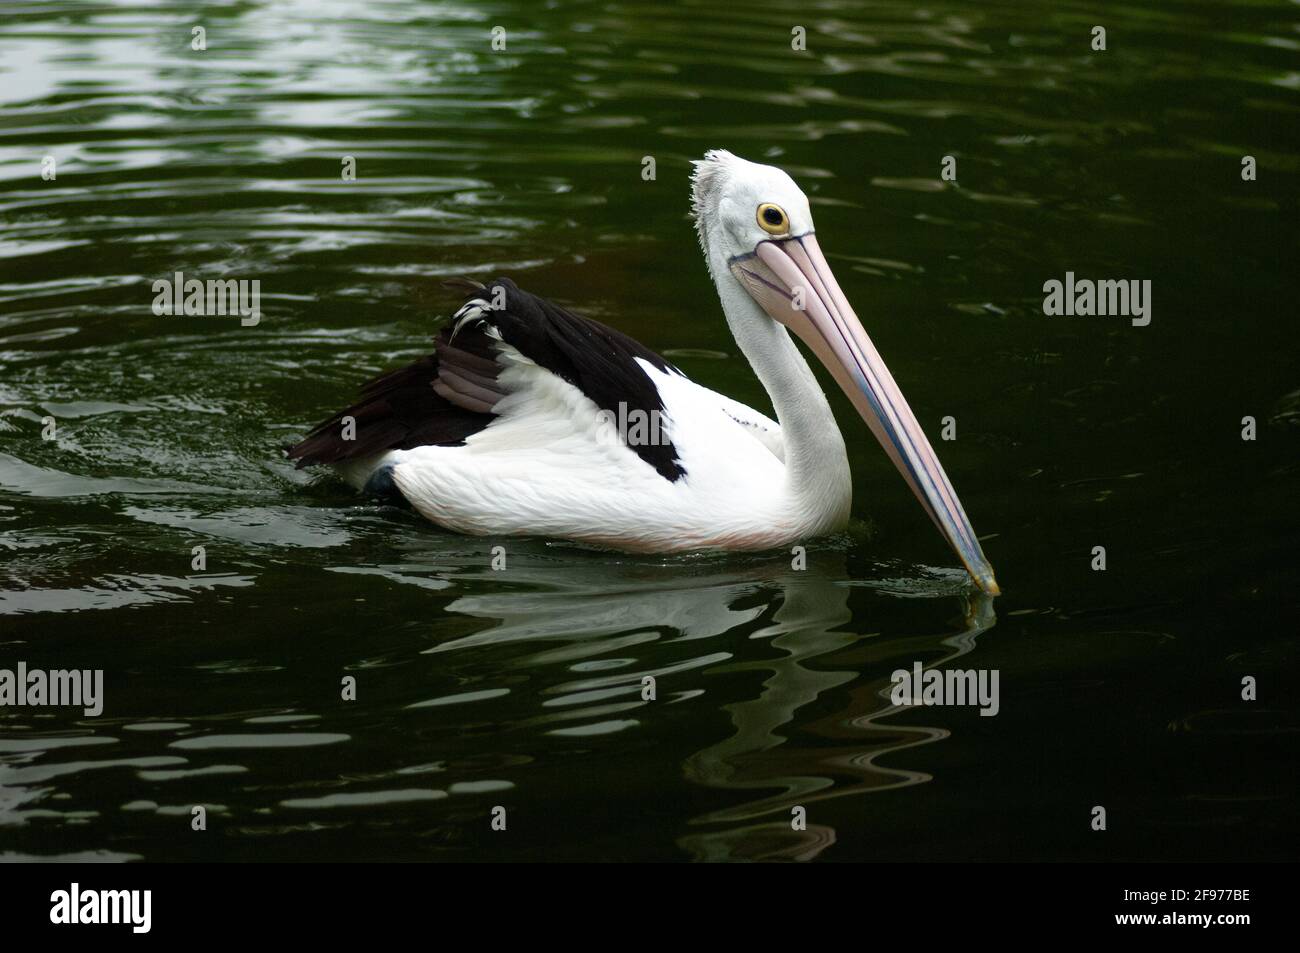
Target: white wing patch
x,y
473,311
764,429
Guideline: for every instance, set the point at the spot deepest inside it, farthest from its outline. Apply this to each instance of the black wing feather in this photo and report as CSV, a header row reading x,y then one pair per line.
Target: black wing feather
x,y
445,397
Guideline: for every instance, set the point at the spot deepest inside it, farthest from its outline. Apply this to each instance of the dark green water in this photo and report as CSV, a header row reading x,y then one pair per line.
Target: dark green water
x,y
522,688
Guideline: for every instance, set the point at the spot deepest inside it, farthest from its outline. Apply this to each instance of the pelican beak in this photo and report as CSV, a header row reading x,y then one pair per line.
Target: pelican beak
x,y
792,282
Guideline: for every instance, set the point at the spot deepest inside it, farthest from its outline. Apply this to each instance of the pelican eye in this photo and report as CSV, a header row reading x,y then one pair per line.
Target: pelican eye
x,y
772,219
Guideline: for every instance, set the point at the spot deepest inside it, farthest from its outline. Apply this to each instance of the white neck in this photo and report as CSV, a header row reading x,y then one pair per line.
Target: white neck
x,y
816,464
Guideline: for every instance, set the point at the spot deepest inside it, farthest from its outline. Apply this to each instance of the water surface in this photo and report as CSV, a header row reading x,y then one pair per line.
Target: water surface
x,y
522,688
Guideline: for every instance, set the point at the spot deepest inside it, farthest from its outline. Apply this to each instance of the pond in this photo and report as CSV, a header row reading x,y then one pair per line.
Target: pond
x,y
151,528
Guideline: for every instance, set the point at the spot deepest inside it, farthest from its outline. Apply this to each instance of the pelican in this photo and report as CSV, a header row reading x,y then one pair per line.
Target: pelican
x,y
517,424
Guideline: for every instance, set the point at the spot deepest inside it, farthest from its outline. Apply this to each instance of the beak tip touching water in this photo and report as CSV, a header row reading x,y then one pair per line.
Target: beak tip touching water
x,y
987,583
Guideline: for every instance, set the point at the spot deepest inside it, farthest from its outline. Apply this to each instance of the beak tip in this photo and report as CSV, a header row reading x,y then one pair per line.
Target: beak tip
x,y
986,582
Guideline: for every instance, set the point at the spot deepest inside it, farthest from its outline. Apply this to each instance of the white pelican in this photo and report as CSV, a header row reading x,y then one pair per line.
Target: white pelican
x,y
516,425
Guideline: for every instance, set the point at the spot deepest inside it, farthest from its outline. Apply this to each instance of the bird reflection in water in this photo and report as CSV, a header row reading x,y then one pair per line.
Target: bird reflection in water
x,y
808,627
591,608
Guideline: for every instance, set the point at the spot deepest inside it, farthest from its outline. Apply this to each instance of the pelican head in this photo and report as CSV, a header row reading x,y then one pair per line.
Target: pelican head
x,y
757,230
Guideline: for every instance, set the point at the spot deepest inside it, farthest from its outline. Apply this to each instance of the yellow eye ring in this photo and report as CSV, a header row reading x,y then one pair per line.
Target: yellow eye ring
x,y
772,219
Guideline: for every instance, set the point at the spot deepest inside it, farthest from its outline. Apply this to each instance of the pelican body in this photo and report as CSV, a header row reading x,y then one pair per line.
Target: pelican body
x,y
531,420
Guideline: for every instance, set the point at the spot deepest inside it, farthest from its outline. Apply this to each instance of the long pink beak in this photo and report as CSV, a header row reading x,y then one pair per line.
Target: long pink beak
x,y
792,282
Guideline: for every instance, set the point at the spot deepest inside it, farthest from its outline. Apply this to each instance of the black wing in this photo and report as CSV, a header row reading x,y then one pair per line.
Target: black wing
x,y
445,397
